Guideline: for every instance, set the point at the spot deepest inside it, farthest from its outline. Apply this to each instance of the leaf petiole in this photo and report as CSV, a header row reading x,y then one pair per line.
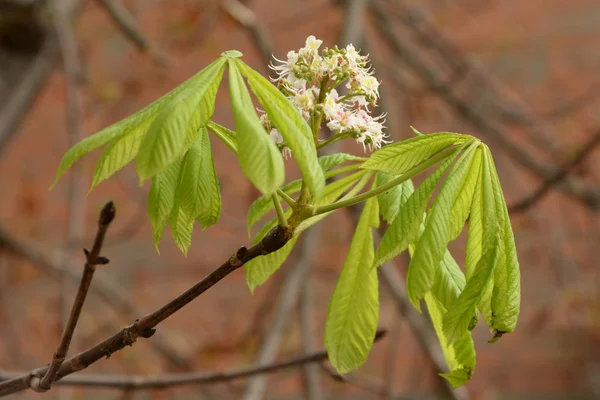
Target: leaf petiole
x,y
394,182
280,215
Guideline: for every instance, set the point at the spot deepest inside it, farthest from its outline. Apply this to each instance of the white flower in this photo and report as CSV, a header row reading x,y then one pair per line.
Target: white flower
x,y
276,136
311,46
331,107
286,69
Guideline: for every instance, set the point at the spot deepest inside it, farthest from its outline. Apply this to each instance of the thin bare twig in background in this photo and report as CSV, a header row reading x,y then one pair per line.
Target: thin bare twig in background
x,y
93,257
138,382
354,380
246,17
129,27
307,328
589,196
38,70
561,174
290,292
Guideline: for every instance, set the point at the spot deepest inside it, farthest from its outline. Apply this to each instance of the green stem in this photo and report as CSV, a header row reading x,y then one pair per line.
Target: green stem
x,y
280,215
332,139
286,198
394,182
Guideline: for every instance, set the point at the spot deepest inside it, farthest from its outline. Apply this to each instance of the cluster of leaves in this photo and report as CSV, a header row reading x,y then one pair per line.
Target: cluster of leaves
x,y
169,139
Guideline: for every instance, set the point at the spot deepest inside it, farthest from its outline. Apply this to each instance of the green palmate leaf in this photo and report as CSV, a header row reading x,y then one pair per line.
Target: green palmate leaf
x,y
182,226
260,269
179,120
198,192
506,295
354,307
259,157
333,160
161,199
332,192
460,356
431,246
404,230
459,317
402,156
227,136
391,201
292,126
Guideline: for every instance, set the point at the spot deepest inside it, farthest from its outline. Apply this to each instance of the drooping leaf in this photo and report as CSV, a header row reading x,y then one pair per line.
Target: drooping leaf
x,y
391,201
135,125
181,117
460,356
506,296
459,317
227,136
462,203
198,192
182,226
400,157
354,307
405,228
292,126
161,199
333,160
260,269
259,157
431,246
119,152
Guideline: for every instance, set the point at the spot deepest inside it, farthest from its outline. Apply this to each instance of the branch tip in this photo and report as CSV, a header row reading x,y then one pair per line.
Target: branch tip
x,y
107,214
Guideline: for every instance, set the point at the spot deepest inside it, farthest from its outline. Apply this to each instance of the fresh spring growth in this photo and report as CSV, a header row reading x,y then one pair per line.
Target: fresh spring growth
x,y
170,141
310,80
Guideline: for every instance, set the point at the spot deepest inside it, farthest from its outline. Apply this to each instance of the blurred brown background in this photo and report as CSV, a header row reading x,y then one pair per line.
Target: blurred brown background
x,y
521,75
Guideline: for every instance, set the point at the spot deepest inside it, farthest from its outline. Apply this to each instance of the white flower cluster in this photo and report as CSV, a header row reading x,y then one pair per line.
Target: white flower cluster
x,y
310,79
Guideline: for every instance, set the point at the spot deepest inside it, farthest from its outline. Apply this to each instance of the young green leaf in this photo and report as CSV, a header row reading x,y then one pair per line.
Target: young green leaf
x,y
119,152
198,192
259,157
333,160
431,246
161,199
227,136
134,125
391,201
181,117
354,307
290,124
459,317
462,203
460,356
400,157
182,226
506,295
260,269
405,228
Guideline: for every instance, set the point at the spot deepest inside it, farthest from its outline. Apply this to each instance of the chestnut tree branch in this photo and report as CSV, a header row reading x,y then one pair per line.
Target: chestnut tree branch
x,y
93,258
144,327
